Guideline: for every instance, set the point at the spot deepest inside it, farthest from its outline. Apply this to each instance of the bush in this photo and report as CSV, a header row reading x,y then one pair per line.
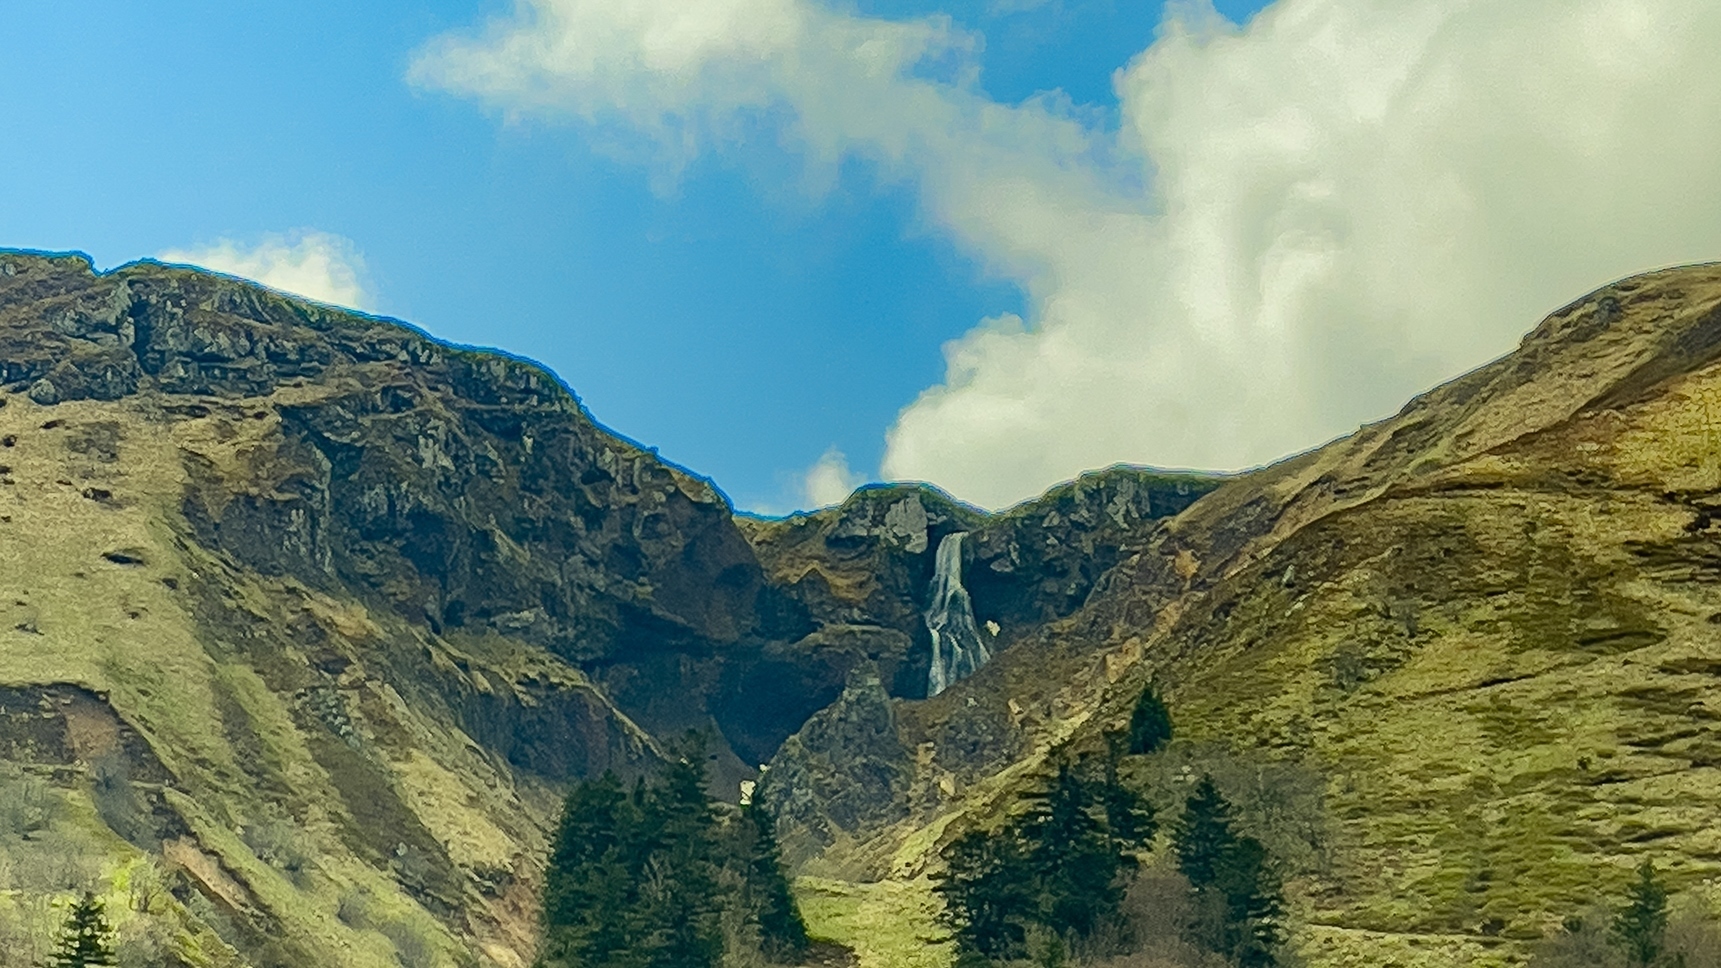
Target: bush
x,y
414,945
354,909
1281,804
27,804
55,861
1582,942
118,803
1693,937
1644,930
277,843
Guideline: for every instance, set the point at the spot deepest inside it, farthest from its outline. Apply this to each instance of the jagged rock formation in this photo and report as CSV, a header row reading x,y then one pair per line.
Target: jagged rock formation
x,y
307,616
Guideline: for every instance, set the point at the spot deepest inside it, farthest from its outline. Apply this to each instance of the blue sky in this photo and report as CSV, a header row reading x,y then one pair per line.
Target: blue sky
x,y
1217,269
741,328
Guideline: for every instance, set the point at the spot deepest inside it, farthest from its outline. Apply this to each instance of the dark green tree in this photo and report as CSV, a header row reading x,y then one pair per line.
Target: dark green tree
x,y
1071,856
1232,879
1640,928
681,908
989,894
1054,872
1149,724
634,877
591,890
780,922
85,938
1129,817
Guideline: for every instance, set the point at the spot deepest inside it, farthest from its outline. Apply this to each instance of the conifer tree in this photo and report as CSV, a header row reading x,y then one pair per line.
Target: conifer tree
x,y
1070,854
1054,872
1230,873
1640,928
1129,817
85,939
636,878
989,894
1149,724
591,891
681,906
780,922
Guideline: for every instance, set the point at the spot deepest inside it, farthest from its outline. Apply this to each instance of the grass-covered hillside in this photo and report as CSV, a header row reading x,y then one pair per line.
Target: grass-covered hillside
x,y
1459,668
308,622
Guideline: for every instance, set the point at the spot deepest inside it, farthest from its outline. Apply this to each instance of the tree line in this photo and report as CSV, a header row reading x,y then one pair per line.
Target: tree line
x,y
656,875
1053,878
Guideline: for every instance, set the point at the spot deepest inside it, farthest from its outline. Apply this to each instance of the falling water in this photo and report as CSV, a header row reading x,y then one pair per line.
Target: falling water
x,y
957,649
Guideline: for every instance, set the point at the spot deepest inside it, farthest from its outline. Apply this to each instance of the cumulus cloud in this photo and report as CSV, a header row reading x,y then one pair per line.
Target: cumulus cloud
x,y
829,481
316,265
1297,224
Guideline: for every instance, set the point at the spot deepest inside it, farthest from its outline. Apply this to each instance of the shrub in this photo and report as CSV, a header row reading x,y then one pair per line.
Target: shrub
x,y
414,945
27,804
278,844
1581,942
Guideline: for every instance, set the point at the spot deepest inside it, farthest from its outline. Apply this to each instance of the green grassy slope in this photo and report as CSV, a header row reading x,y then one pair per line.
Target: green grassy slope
x,y
1487,625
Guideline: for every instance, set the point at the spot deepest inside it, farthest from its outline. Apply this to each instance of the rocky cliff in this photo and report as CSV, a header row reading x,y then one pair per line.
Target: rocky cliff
x,y
305,617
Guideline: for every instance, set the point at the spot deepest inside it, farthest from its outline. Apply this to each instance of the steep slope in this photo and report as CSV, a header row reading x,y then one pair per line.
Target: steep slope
x,y
1459,667
306,618
863,572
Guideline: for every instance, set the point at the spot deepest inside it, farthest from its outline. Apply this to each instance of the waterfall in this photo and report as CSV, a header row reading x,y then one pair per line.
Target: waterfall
x,y
957,649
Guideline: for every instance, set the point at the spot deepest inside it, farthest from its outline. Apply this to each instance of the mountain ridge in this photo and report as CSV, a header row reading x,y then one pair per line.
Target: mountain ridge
x,y
305,619
1449,571
362,602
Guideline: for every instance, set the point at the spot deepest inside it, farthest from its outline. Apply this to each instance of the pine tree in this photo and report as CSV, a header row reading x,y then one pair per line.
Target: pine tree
x,y
680,904
1053,873
1070,854
591,893
1640,928
85,939
1149,724
989,894
1231,874
1129,817
780,922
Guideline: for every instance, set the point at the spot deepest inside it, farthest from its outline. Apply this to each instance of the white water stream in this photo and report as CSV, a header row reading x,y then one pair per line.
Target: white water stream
x,y
957,648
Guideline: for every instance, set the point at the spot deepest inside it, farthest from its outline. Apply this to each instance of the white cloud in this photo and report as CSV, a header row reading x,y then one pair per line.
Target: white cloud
x,y
829,481
316,265
1299,224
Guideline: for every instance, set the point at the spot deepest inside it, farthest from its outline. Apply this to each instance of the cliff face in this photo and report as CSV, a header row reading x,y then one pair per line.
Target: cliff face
x,y
862,573
307,618
372,595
